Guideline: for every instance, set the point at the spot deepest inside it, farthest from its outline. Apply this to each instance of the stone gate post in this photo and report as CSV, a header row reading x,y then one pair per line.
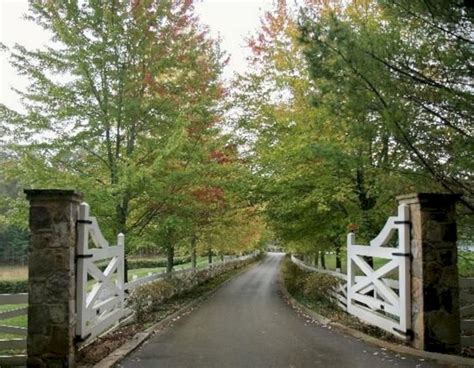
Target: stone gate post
x,y
434,272
51,290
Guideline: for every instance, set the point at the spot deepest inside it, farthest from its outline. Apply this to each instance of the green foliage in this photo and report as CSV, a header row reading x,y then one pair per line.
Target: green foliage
x,y
349,104
293,276
13,287
397,71
134,264
146,298
312,286
124,105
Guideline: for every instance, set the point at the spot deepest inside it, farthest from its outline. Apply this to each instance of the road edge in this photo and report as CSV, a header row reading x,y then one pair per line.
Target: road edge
x,y
401,349
123,351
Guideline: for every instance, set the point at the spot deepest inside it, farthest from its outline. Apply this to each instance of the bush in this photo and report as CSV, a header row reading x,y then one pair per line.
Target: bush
x,y
145,298
13,287
293,276
318,285
134,264
313,286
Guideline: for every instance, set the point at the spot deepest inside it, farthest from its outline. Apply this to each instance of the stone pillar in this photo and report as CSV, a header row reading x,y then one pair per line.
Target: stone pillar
x,y
434,272
52,287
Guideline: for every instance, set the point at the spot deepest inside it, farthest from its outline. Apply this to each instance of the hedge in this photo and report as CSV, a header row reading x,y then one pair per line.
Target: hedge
x,y
13,287
134,264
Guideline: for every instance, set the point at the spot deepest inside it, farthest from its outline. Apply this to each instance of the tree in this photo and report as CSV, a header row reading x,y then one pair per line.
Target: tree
x,y
319,174
405,65
122,96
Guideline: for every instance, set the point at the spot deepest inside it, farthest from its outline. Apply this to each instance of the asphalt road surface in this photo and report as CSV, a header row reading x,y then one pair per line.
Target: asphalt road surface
x,y
248,324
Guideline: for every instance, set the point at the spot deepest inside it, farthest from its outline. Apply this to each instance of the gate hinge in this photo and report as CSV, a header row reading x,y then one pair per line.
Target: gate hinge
x,y
84,222
84,256
396,254
78,338
408,333
402,222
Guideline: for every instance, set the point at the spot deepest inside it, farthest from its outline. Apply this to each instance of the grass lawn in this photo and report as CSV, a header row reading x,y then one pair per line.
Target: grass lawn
x,y
20,321
465,263
331,262
13,273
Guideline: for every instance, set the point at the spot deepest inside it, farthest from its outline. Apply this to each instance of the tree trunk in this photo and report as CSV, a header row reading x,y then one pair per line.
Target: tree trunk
x,y
209,256
121,212
338,258
323,260
169,258
222,257
316,259
193,252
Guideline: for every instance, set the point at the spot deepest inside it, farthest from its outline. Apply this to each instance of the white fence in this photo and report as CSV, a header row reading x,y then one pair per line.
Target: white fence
x,y
373,298
100,294
379,296
15,347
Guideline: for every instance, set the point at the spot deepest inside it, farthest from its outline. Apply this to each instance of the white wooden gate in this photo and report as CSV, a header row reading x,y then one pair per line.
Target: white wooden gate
x,y
381,296
17,305
100,294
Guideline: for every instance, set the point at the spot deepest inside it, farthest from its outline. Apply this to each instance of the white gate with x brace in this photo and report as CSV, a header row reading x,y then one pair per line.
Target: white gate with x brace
x,y
100,294
381,296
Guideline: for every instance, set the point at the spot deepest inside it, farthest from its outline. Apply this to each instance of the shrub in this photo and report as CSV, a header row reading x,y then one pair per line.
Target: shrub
x,y
318,285
134,264
313,286
146,298
293,276
13,287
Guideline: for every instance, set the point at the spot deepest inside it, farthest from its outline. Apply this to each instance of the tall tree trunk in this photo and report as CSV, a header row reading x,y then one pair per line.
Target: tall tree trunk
x,y
323,260
193,252
169,258
121,213
209,256
338,258
316,259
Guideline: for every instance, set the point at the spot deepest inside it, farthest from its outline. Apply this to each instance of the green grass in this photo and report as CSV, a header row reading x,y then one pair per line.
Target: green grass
x,y
331,262
20,321
13,273
466,264
143,272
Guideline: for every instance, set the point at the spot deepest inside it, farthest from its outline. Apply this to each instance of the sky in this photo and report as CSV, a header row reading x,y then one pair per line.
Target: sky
x,y
232,20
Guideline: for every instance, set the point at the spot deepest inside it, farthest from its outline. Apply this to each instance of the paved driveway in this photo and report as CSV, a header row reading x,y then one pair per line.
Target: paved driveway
x,y
247,324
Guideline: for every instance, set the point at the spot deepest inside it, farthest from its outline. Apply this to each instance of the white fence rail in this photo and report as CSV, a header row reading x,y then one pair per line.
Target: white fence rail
x,y
372,298
466,296
100,294
15,347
